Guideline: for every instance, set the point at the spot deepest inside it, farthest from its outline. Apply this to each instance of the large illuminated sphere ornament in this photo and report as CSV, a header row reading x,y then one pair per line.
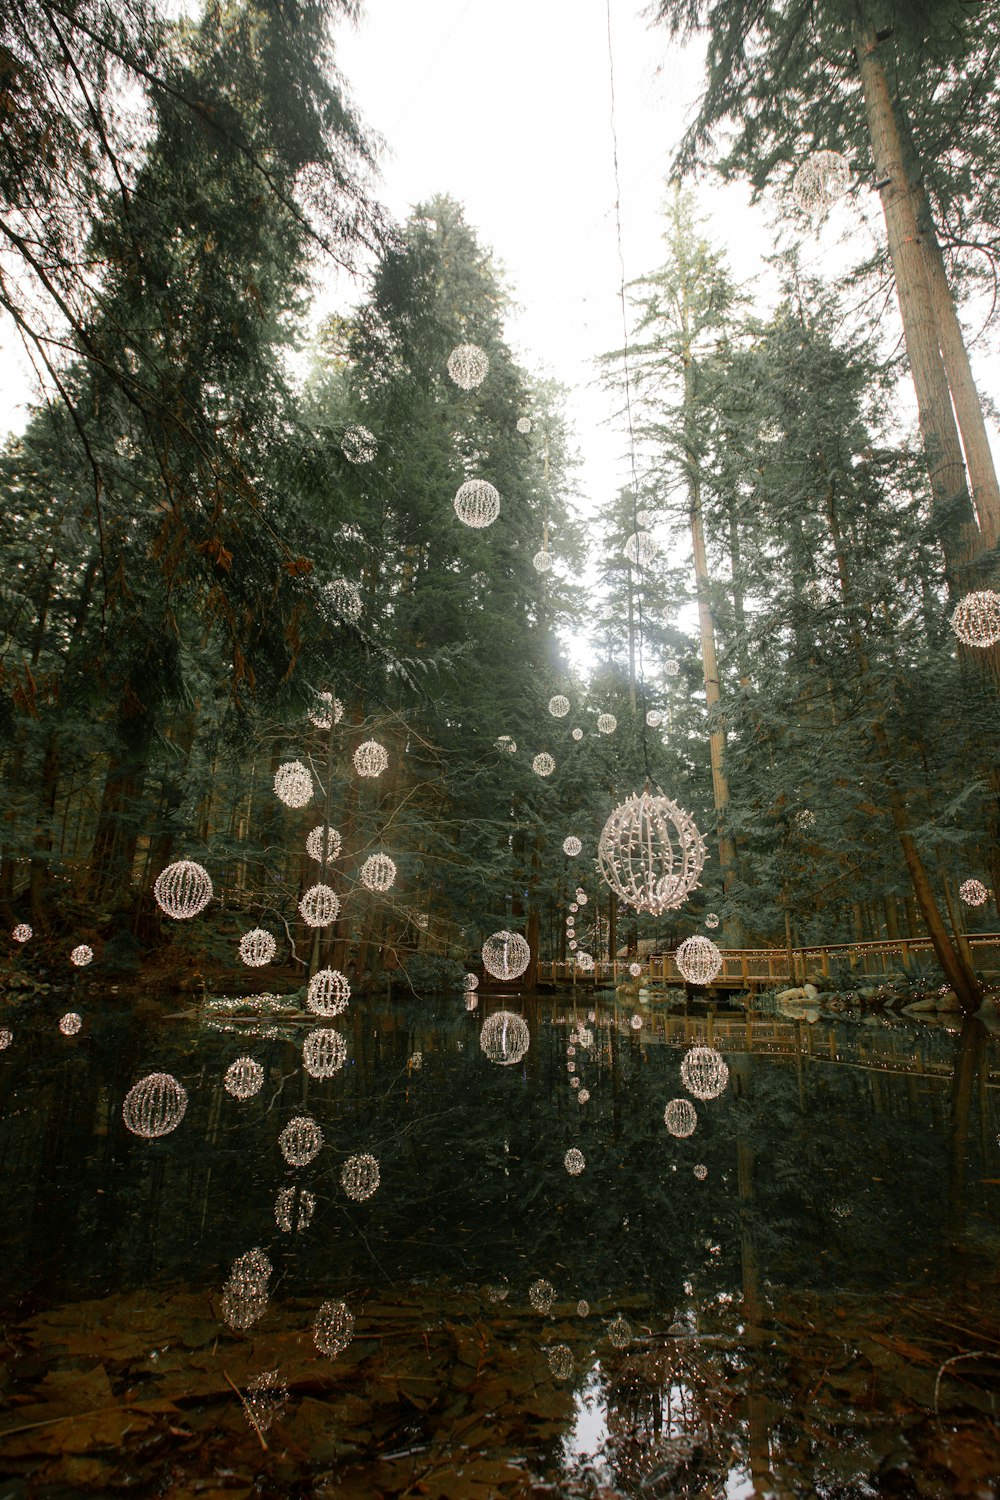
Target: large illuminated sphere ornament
x,y
358,445
585,962
326,711
654,718
315,842
543,764
319,906
574,1161
635,970
300,1141
671,666
607,723
505,1038
468,366
524,424
508,745
821,179
21,933
477,503
378,872
333,1328
360,1176
640,549
293,784
620,1332
572,846
183,889
290,1213
712,919
257,948
650,853
680,1117
341,600
698,959
470,983
976,620
704,1072
81,956
328,992
578,734
324,1052
506,955
559,706
371,759
542,562
70,1023
972,892
244,1078
155,1105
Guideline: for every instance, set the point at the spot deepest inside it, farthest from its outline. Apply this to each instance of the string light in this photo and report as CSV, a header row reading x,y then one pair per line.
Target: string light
x,y
641,549
315,841
543,764
477,503
583,1309
976,620
574,1162
468,366
328,992
559,706
973,892
155,1105
326,711
541,1295
819,181
183,889
378,872
21,933
293,784
324,1052
680,1117
293,1209
505,743
244,1078
360,1176
371,759
257,948
506,955
319,906
333,1328
505,1038
81,956
70,1023
340,599
358,445
650,853
704,1072
300,1141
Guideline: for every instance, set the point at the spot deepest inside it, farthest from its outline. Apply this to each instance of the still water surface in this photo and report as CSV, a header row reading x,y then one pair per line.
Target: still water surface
x,y
815,1313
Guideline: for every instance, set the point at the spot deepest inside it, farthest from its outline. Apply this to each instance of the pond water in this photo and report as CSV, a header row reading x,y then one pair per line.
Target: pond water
x,y
799,1298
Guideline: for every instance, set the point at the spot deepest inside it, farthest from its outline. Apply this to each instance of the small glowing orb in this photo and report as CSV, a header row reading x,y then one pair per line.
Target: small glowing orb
x,y
583,1309
244,1078
477,503
300,1141
698,959
21,933
155,1105
701,1172
183,889
635,970
294,1209
620,1333
541,1295
654,718
607,723
315,842
358,445
508,745
468,366
560,1358
333,1328
641,549
542,562
6,1037
81,956
644,519
543,764
470,982
578,734
505,1038
704,1072
680,1117
319,906
257,948
650,853
581,896
571,921
371,758
973,892
524,424
574,1162
293,784
360,1176
712,920
324,1052
574,1083
976,620
559,706
574,906
506,955
822,178
583,1097
378,872
328,992
70,1023
341,600
326,711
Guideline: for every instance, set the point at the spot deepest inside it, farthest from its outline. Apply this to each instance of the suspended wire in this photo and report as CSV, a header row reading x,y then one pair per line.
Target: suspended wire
x,y
628,381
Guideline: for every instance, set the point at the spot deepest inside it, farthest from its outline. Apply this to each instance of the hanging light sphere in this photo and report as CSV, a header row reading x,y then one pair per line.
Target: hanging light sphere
x,y
242,1306
340,599
300,1141
976,620
70,1023
574,905
324,1052
505,1038
712,920
654,718
680,1117
360,1176
578,734
326,711
644,519
650,853
371,758
671,667
585,962
81,956
583,1308
477,503
973,892
820,180
183,889
293,784
468,366
319,906
698,959
506,955
524,424
583,1097
704,1072
378,872
543,764
805,818
620,1332
358,445
6,1037
635,970
257,948
571,922
572,846
294,1209
542,562
581,896
315,842
607,723
560,1358
559,706
701,1172
333,1328
640,549
328,992
636,1023
574,1162
573,945
155,1105
541,1295
470,983
244,1078
505,743
21,933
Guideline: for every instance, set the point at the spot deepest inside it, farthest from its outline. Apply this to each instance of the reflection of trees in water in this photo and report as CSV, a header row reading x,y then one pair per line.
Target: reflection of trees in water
x,y
669,1424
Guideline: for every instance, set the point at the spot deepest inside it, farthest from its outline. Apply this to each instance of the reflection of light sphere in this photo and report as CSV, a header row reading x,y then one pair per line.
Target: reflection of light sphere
x,y
257,948
70,1023
712,920
506,955
505,1038
267,1395
680,1117
183,889
973,892
543,764
326,711
324,1052
477,503
468,366
650,853
559,706
583,1309
470,983
293,784
21,933
319,906
541,1295
701,1172
640,549
341,600
358,445
244,1078
524,424
300,1141
371,758
506,744
378,872
333,1329
328,992
574,1162
578,734
290,1214
822,178
976,620
607,723
704,1072
560,1358
6,1037
542,562
243,1306
155,1105
360,1176
654,718
635,970
315,841
620,1332
81,956
698,959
